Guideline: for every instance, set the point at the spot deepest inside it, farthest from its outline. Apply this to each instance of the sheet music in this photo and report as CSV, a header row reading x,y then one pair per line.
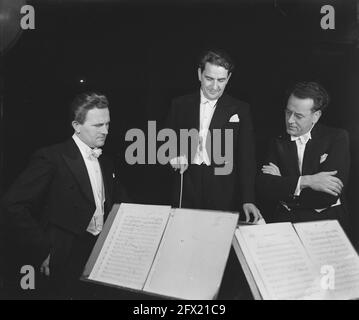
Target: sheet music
x,y
330,249
131,244
250,270
193,254
283,269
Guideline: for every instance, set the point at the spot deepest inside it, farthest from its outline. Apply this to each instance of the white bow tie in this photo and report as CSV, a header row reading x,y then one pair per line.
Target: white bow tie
x,y
303,139
95,153
209,102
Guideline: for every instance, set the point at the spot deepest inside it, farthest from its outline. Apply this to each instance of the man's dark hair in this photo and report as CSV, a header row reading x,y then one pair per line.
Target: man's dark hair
x,y
85,102
311,90
218,58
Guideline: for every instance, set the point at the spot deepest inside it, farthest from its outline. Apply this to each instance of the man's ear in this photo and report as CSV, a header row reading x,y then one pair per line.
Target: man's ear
x,y
199,74
76,126
317,115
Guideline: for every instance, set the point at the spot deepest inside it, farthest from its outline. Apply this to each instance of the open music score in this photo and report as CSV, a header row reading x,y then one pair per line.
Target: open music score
x,y
128,251
328,246
177,253
310,260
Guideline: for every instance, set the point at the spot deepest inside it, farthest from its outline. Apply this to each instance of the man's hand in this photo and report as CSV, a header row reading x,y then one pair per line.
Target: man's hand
x,y
45,267
250,208
324,182
180,163
271,169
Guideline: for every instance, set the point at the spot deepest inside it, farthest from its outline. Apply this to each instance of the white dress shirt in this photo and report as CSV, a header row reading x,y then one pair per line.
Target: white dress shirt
x,y
301,143
94,171
207,108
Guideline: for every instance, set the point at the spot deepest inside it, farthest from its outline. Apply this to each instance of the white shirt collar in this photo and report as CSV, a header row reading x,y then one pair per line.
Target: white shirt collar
x,y
85,150
303,138
204,100
82,145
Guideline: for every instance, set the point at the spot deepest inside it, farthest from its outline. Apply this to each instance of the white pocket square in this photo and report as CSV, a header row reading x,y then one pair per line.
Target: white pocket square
x,y
234,118
323,157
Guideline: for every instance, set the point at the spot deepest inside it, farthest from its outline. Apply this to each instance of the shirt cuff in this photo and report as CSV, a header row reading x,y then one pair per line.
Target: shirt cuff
x,y
298,190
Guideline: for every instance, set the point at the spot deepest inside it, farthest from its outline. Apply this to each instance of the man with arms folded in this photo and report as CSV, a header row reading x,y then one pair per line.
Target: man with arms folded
x,y
307,168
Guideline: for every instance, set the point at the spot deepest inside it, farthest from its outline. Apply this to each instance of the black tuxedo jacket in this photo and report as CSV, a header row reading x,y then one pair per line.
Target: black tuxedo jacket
x,y
52,202
231,190
328,150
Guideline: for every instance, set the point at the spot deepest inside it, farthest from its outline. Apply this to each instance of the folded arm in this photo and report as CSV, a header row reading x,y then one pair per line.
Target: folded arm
x,y
319,190
323,189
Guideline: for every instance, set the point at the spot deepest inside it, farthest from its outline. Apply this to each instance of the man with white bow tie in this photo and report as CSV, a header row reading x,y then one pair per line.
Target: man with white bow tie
x,y
208,183
57,207
209,110
307,169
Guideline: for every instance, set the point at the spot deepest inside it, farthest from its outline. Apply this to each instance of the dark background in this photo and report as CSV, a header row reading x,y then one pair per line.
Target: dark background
x,y
141,54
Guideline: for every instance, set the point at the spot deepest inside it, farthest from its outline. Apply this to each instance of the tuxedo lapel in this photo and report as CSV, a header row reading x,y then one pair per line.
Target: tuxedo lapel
x,y
192,112
76,164
196,106
311,151
290,155
220,117
107,178
222,114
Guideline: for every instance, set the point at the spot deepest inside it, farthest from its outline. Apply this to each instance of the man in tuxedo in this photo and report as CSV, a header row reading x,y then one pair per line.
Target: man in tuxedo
x,y
209,184
55,210
307,168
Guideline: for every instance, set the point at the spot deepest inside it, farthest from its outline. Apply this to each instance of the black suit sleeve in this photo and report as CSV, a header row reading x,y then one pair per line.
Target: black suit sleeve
x,y
283,188
171,122
22,204
247,159
276,188
338,159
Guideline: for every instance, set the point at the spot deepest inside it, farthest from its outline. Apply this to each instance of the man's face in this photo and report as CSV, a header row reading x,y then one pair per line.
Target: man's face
x,y
213,80
299,117
95,128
